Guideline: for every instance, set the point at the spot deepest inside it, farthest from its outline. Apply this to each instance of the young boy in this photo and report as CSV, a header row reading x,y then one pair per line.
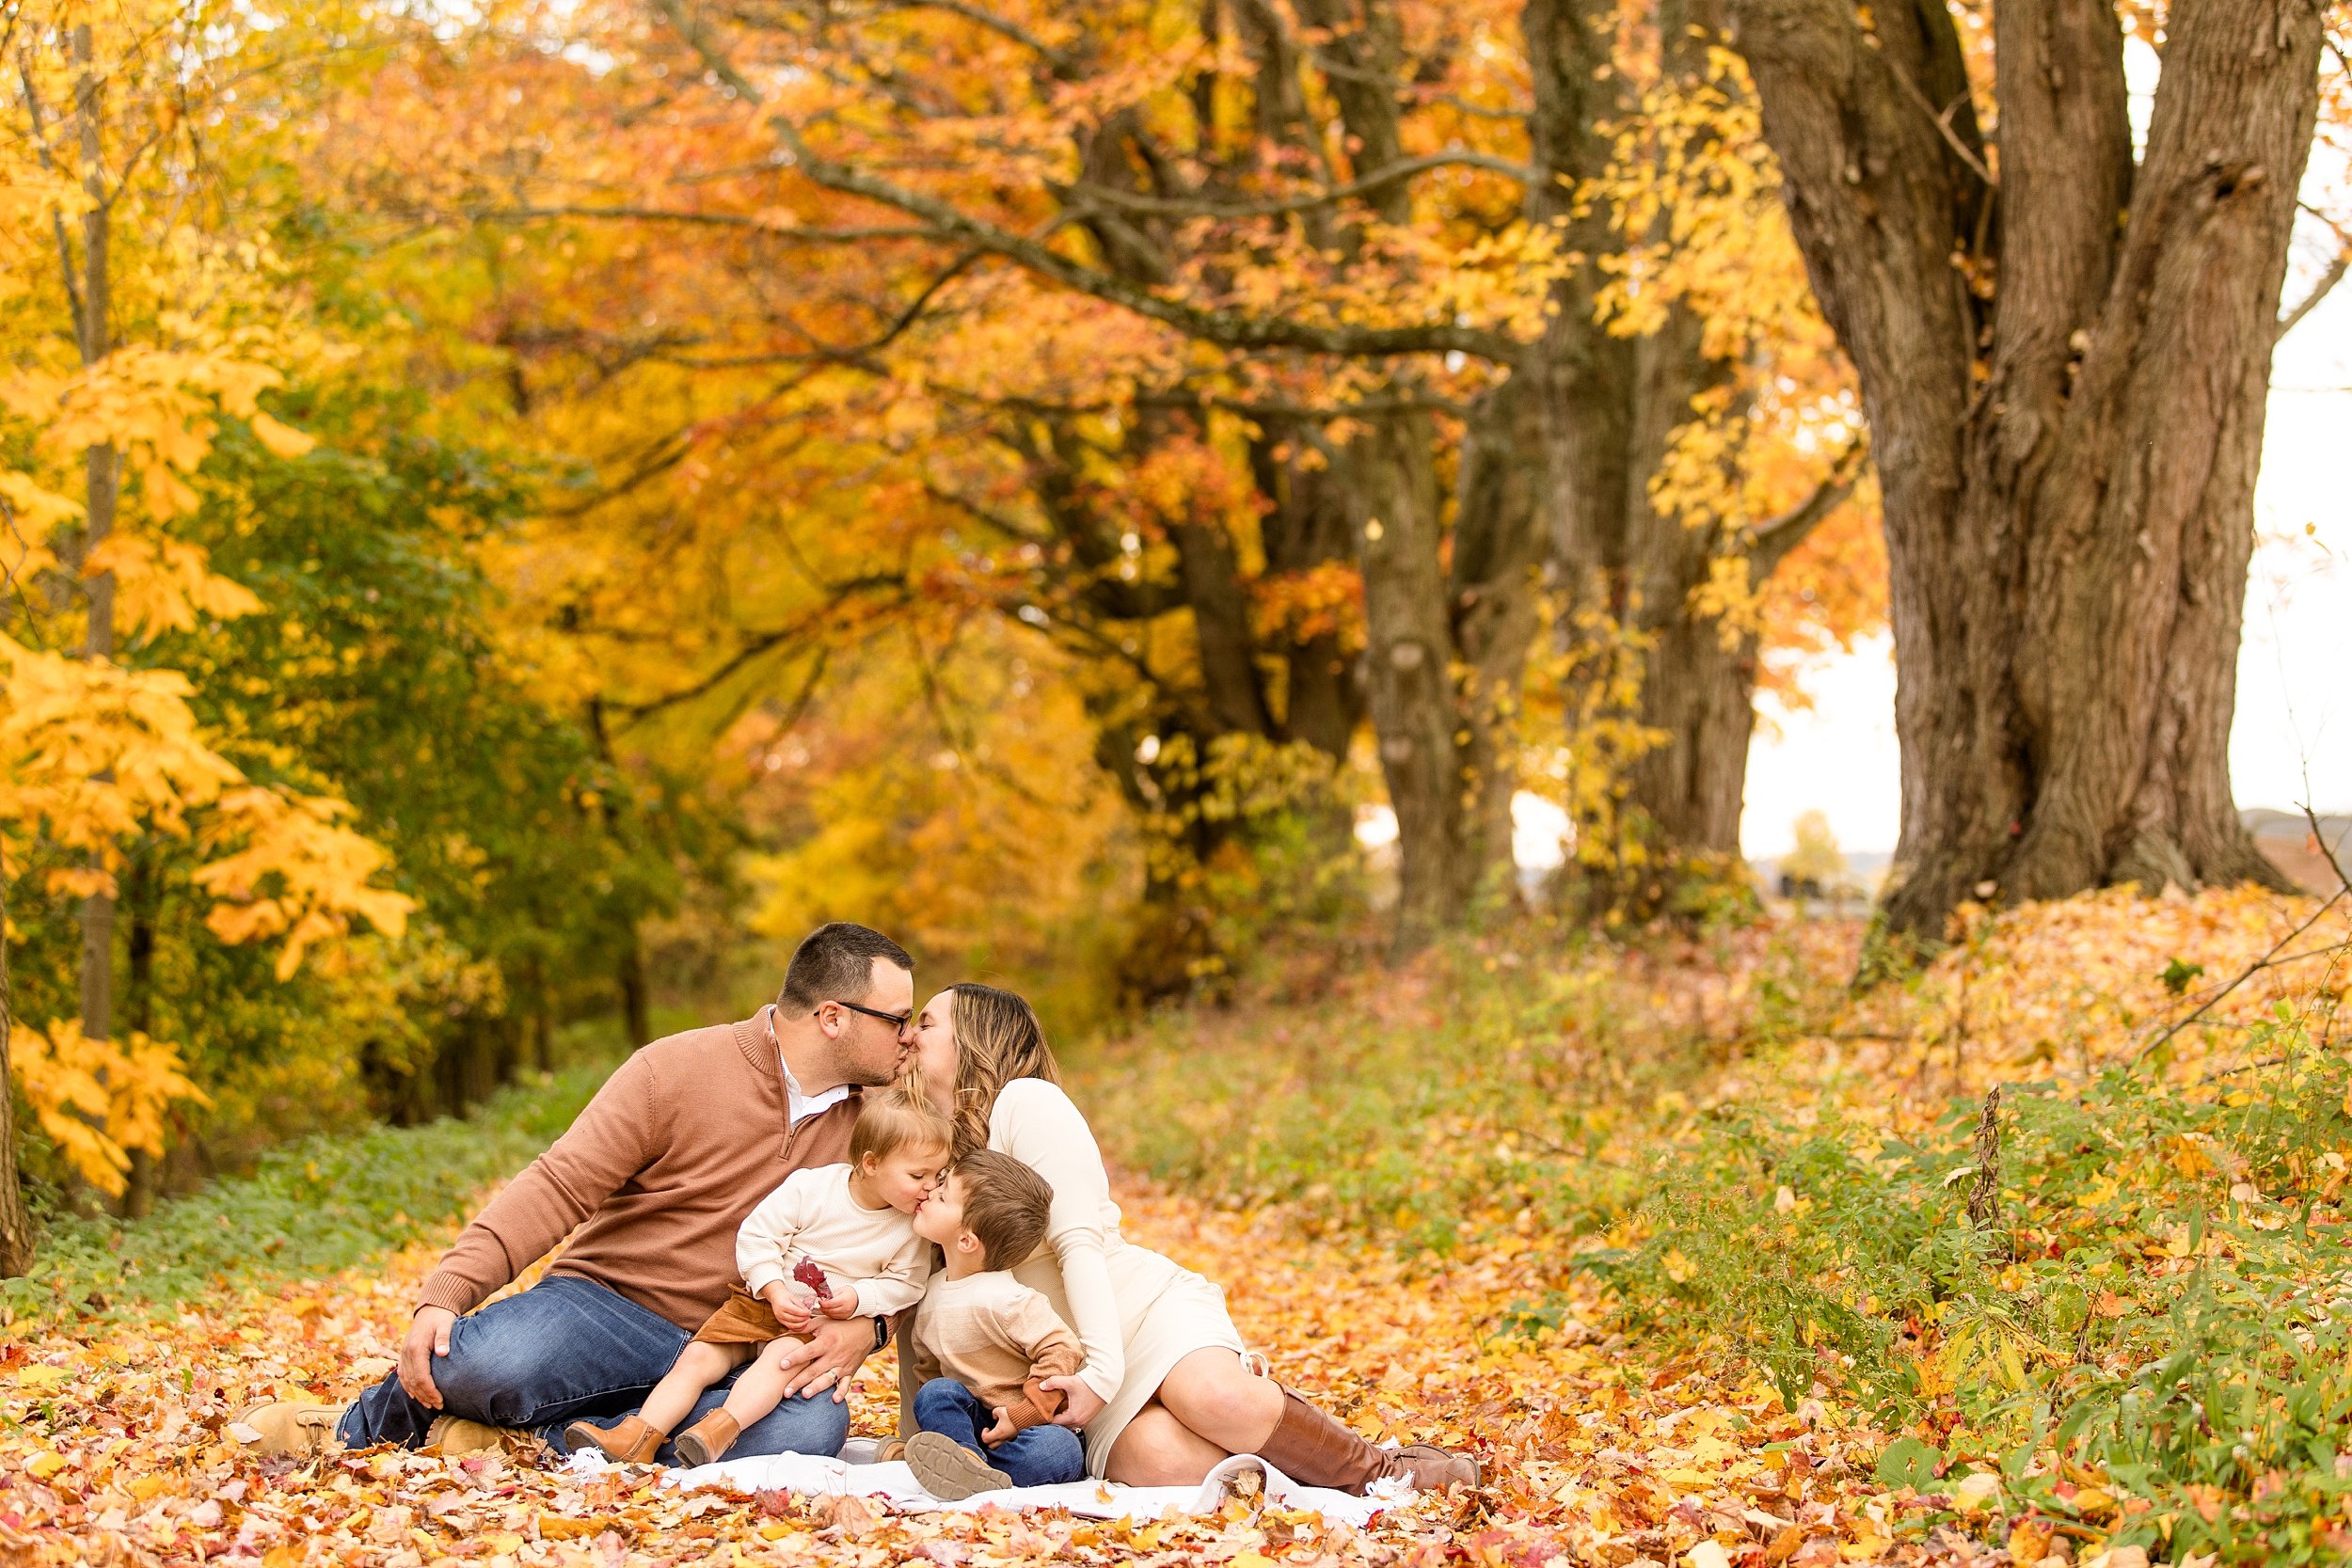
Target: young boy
x,y
836,1239
985,1424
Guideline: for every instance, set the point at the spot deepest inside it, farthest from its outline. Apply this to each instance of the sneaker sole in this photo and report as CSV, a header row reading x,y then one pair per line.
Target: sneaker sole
x,y
317,1436
1478,1467
948,1470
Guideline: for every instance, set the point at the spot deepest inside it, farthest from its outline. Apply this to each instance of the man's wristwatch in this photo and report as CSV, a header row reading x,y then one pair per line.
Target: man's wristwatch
x,y
882,1331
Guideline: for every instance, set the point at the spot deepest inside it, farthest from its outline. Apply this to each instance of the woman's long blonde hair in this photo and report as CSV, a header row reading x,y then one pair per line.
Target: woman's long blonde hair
x,y
998,1040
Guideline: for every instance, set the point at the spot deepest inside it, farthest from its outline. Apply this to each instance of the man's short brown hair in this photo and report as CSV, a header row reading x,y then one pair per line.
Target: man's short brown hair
x,y
1005,1204
835,963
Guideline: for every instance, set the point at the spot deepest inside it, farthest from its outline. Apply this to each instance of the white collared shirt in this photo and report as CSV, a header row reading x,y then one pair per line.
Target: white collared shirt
x,y
799,1106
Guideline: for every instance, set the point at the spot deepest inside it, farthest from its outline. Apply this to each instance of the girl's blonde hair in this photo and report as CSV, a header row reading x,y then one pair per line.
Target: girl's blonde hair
x,y
998,1040
893,1118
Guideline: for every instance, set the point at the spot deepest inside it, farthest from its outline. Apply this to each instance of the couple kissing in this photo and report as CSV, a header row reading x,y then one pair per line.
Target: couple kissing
x,y
700,1133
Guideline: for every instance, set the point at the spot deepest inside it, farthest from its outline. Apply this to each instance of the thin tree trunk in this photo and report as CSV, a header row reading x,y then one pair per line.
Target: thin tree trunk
x,y
2066,381
142,894
636,1000
101,480
16,1224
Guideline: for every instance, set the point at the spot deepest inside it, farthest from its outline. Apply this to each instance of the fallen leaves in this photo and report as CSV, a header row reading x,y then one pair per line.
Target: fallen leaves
x,y
118,1445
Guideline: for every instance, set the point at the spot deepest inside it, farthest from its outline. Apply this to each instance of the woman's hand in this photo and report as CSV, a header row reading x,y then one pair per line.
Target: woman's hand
x,y
1079,1404
833,1351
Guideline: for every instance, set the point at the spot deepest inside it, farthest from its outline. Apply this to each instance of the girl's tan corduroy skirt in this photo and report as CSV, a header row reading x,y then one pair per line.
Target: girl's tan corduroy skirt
x,y
742,1320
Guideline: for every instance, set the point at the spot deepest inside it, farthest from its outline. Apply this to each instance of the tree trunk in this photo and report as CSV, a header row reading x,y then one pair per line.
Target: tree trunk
x,y
1612,405
141,897
1305,526
1392,486
1445,644
2066,380
636,1000
1499,542
102,486
16,1224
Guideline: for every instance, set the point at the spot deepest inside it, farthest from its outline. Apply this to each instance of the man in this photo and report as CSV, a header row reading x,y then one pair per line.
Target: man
x,y
650,1185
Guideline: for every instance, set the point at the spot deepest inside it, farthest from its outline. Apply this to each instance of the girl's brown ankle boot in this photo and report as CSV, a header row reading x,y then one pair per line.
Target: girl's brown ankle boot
x,y
1311,1447
630,1443
707,1440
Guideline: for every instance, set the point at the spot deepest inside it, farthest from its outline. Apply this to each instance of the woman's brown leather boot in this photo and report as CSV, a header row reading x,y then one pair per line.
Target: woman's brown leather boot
x,y
630,1443
707,1440
1315,1449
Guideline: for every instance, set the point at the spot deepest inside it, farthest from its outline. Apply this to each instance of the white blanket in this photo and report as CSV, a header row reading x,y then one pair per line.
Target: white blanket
x,y
894,1483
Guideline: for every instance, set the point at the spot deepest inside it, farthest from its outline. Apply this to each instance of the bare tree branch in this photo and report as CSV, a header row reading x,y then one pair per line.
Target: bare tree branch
x,y
1064,63
1258,408
2309,302
791,234
1110,195
2269,960
2333,275
1944,123
767,641
1776,538
1228,329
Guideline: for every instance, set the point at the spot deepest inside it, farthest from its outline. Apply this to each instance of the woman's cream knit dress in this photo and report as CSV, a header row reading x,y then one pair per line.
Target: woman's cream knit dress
x,y
1135,1313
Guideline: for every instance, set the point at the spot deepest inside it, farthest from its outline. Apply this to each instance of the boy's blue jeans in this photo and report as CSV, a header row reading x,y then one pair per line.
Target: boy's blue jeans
x,y
565,1349
1039,1456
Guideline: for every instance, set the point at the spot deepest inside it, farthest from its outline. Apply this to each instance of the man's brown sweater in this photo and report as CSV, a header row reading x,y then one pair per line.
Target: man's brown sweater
x,y
659,1172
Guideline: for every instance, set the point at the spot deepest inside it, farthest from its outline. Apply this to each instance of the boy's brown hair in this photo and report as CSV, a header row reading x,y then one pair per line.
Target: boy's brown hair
x,y
1005,1204
891,1120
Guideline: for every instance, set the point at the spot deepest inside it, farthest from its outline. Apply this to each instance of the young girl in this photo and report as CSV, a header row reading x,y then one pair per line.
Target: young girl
x,y
837,1240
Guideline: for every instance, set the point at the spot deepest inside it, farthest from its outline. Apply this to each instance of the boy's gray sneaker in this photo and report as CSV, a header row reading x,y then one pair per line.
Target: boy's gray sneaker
x,y
948,1470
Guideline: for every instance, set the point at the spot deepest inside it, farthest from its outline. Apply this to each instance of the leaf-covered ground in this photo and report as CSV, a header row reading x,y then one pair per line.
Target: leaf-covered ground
x,y
113,1447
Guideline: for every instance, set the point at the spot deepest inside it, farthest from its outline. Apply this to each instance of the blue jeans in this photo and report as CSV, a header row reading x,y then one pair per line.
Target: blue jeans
x,y
569,1348
1037,1456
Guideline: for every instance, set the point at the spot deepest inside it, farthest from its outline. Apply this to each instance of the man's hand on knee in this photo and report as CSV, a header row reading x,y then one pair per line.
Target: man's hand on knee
x,y
428,1336
833,1353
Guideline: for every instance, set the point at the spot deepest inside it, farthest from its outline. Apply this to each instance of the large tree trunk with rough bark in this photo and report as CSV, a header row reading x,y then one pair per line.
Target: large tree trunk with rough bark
x,y
2065,376
1447,642
1499,542
1612,405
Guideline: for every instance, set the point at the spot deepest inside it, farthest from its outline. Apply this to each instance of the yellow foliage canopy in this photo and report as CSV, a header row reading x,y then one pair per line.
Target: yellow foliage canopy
x,y
98,1100
92,752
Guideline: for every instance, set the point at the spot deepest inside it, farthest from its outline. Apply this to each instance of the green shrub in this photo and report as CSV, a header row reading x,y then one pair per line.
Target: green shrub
x,y
309,1207
2144,1335
2153,1301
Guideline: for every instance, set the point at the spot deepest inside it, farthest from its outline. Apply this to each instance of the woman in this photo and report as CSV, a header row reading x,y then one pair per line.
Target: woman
x,y
1164,1393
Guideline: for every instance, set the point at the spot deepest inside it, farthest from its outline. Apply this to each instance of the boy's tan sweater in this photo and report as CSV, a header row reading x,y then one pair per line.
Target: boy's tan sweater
x,y
998,1338
653,1180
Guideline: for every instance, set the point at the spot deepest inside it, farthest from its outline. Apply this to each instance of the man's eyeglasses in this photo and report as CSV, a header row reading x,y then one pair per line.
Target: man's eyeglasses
x,y
896,1020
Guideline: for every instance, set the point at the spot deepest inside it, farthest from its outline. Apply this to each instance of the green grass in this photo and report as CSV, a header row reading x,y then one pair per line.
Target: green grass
x,y
309,1207
2154,1305
1506,1095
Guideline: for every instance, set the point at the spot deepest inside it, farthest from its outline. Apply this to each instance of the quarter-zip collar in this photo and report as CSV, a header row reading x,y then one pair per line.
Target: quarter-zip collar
x,y
755,1036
